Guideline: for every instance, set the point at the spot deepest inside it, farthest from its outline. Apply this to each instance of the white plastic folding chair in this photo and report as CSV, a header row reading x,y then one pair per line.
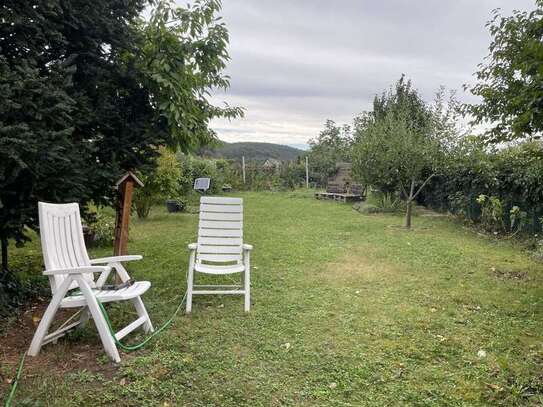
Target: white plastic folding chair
x,y
220,249
68,267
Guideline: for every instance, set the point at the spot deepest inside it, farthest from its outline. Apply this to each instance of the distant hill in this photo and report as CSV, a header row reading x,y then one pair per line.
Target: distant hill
x,y
252,151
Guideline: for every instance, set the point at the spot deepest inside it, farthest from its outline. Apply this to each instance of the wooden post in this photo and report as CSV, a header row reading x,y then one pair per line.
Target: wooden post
x,y
307,172
125,187
243,168
123,218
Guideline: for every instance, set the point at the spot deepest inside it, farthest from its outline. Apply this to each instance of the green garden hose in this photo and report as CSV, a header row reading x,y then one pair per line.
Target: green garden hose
x,y
130,348
127,348
15,381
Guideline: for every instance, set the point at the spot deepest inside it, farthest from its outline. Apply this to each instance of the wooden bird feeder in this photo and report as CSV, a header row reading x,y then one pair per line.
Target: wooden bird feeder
x,y
125,186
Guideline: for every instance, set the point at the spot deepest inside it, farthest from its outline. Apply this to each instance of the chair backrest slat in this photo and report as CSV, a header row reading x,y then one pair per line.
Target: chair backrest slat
x,y
219,258
210,249
80,251
204,224
220,235
62,241
220,232
221,200
229,217
221,208
221,241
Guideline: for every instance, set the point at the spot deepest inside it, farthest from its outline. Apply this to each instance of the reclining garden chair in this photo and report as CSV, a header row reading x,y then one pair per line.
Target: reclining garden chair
x,y
220,249
68,267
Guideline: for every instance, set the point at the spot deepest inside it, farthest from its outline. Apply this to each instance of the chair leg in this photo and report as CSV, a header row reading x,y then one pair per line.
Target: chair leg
x,y
48,317
190,281
190,285
247,285
137,302
99,321
247,279
142,312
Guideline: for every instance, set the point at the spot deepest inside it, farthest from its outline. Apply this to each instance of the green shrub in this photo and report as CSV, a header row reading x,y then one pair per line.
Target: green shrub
x,y
459,205
101,228
260,180
164,182
491,213
220,172
289,176
386,202
510,178
366,208
292,175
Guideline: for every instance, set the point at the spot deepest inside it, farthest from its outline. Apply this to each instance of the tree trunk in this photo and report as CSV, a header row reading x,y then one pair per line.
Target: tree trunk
x,y
409,202
408,212
4,254
411,196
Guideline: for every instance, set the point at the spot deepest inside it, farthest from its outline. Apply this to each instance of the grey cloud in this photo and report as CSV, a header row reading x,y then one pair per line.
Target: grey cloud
x,y
296,63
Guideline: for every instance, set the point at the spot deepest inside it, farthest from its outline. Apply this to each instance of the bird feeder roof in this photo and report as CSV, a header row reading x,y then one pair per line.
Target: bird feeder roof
x,y
129,176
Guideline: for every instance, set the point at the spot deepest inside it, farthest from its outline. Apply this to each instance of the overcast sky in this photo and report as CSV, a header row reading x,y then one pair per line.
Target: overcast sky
x,y
296,63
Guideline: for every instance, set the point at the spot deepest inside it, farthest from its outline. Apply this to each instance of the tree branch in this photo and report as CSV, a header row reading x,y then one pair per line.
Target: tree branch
x,y
404,191
423,185
411,196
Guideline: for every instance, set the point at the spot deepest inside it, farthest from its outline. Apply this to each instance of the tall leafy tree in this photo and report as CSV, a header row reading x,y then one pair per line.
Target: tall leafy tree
x,y
509,80
36,152
395,145
90,89
332,145
182,53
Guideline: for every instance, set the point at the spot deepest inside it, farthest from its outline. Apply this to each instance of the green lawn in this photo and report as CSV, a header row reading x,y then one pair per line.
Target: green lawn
x,y
348,310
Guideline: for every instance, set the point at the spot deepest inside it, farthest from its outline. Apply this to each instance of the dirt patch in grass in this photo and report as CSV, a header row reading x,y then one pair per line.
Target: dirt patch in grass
x,y
412,229
67,355
357,268
502,274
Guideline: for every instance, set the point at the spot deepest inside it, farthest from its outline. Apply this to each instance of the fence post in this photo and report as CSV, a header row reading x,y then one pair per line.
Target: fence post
x,y
307,172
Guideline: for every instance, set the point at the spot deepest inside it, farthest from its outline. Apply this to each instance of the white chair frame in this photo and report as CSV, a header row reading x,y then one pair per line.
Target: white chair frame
x,y
68,266
220,249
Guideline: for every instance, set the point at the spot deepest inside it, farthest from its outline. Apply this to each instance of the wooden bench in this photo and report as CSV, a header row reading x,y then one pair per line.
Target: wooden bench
x,y
342,197
342,193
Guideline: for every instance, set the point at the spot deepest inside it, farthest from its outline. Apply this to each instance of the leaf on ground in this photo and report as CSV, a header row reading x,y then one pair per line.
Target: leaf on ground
x,y
494,387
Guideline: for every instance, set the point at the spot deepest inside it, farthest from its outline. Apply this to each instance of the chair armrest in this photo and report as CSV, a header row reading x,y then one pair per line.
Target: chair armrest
x,y
116,259
247,247
192,246
78,270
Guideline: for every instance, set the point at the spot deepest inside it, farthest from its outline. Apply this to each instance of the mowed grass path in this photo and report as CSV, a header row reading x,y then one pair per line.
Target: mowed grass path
x,y
348,310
